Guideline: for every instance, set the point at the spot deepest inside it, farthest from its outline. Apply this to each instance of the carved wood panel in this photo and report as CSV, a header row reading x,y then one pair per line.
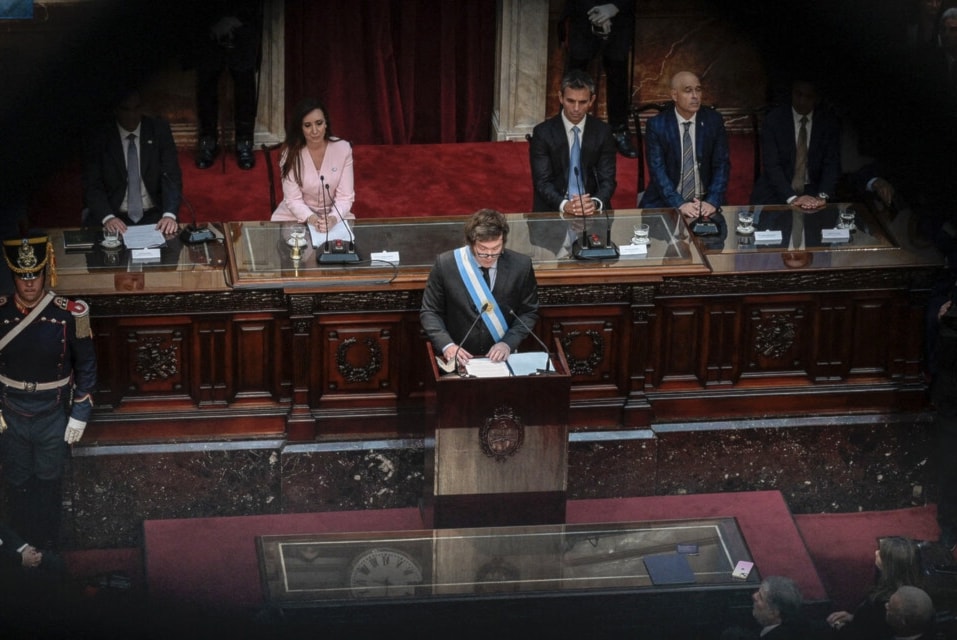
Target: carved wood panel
x,y
358,357
256,348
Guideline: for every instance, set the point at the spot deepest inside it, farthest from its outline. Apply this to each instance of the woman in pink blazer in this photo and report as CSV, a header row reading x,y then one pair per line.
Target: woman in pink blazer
x,y
316,170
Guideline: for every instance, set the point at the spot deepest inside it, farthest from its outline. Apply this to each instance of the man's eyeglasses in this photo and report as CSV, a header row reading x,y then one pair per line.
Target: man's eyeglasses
x,y
488,255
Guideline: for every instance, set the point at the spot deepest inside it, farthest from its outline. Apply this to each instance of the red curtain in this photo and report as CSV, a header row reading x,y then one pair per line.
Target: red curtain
x,y
395,71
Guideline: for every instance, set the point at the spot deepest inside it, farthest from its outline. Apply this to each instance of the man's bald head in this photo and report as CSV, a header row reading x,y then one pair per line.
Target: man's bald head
x,y
686,92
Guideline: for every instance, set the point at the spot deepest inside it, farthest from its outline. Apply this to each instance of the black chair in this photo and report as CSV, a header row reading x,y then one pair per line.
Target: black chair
x,y
275,190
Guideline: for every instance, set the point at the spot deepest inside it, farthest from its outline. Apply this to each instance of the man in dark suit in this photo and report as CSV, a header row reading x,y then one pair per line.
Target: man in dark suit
x,y
910,612
697,191
782,179
556,188
608,28
777,609
481,275
157,192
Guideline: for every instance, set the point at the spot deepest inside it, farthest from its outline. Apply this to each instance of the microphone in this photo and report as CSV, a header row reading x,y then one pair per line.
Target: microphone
x,y
486,307
608,242
337,251
548,354
192,233
590,247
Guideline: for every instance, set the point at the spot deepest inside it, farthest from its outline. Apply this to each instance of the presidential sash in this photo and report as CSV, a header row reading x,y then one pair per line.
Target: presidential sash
x,y
480,293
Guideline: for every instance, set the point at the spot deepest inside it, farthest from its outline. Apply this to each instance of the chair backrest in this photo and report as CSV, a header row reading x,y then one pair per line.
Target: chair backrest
x,y
272,170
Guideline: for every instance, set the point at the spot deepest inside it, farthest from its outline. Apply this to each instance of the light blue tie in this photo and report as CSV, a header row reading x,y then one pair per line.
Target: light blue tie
x,y
687,164
575,161
134,197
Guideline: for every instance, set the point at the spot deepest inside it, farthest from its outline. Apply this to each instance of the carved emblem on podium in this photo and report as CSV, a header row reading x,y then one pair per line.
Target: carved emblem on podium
x,y
502,435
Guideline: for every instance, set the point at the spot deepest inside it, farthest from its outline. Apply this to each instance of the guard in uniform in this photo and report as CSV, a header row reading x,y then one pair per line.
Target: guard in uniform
x,y
47,375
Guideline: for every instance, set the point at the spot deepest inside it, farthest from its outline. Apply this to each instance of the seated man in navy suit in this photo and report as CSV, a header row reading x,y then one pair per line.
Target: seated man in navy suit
x,y
157,190
693,180
783,179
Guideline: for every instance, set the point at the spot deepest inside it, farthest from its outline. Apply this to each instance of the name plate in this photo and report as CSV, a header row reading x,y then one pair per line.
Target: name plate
x,y
385,256
836,235
632,249
768,237
145,255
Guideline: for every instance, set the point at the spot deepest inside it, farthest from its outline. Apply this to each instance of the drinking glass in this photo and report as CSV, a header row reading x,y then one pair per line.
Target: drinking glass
x,y
111,238
640,234
847,219
745,221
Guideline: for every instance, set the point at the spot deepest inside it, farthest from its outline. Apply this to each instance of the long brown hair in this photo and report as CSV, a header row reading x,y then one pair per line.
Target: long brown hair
x,y
296,139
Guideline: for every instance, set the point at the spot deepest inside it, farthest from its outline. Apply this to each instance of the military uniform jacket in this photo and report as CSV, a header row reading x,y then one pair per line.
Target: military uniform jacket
x,y
57,344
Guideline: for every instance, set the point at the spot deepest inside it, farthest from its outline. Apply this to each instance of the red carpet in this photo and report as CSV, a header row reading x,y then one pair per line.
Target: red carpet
x,y
391,181
223,573
843,545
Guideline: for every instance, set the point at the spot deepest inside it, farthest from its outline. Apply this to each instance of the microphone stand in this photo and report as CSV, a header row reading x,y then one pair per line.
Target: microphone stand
x,y
192,233
548,354
590,247
337,251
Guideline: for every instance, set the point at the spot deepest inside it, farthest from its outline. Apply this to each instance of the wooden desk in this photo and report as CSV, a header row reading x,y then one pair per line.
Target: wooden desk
x,y
697,328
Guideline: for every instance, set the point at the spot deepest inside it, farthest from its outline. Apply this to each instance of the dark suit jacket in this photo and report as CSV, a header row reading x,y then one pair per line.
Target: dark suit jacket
x,y
548,154
10,558
448,311
104,170
778,151
663,145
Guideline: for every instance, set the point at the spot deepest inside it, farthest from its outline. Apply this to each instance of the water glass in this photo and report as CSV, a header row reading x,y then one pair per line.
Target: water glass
x,y
640,234
745,221
111,238
847,219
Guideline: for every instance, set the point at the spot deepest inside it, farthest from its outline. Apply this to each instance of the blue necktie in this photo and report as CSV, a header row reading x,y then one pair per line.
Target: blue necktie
x,y
134,197
574,161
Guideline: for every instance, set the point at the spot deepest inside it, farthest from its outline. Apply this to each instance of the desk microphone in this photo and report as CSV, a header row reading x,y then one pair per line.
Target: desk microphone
x,y
548,354
336,251
608,243
193,233
486,307
590,247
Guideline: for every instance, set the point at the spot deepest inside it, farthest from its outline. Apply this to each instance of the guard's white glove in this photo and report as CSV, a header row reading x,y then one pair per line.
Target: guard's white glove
x,y
74,431
601,14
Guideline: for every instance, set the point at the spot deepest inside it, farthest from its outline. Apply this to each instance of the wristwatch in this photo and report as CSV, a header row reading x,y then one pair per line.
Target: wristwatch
x,y
823,196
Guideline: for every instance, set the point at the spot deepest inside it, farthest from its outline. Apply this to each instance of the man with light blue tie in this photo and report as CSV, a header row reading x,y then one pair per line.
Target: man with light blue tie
x,y
688,157
573,139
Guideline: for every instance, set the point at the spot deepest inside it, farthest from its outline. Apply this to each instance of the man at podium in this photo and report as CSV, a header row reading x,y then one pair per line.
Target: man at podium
x,y
481,300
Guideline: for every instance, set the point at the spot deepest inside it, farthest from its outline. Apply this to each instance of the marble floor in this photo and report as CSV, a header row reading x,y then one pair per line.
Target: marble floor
x,y
833,464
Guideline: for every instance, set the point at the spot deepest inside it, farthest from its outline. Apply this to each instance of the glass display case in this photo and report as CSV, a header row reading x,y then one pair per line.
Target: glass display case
x,y
642,556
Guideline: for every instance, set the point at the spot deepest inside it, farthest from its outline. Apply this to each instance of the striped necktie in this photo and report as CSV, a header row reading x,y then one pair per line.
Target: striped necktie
x,y
687,164
134,196
800,159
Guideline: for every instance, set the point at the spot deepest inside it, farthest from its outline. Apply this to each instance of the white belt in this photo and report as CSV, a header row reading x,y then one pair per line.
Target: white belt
x,y
34,386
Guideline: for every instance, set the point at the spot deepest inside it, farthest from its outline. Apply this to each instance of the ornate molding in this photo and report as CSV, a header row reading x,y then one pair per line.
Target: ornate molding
x,y
774,335
364,373
187,302
584,366
156,359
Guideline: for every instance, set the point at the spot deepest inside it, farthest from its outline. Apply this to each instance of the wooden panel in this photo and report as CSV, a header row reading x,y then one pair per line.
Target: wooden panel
x,y
253,359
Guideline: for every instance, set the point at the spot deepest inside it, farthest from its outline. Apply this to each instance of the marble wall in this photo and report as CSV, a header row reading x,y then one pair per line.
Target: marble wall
x,y
834,465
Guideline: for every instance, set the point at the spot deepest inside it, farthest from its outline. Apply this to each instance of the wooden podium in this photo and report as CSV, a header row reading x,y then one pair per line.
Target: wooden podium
x,y
497,450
